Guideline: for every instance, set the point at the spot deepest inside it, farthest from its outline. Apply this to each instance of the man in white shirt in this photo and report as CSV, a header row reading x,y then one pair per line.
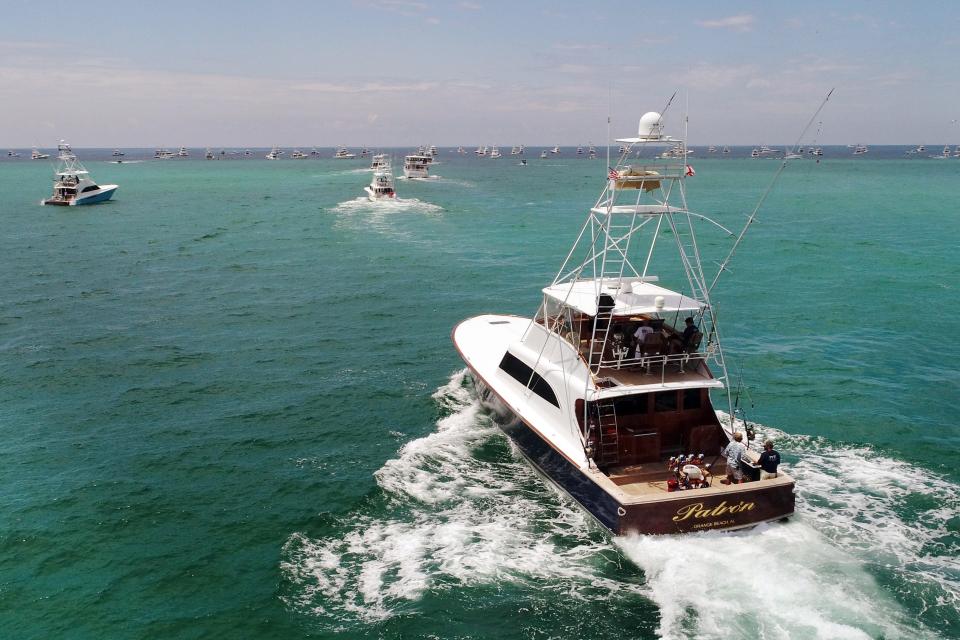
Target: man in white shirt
x,y
734,453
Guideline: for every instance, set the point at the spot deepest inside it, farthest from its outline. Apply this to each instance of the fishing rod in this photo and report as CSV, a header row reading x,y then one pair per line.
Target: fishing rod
x,y
753,214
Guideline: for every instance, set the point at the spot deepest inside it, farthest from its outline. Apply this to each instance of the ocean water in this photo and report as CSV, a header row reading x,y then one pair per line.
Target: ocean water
x,y
230,407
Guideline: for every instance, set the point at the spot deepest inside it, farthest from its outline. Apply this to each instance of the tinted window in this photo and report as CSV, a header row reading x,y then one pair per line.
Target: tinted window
x,y
526,376
632,406
691,399
666,401
91,188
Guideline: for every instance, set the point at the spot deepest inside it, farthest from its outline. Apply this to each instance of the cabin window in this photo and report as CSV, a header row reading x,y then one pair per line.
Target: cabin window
x,y
526,376
665,401
632,406
691,399
90,188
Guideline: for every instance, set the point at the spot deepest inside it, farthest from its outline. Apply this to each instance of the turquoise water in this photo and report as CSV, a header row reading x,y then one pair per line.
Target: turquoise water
x,y
230,407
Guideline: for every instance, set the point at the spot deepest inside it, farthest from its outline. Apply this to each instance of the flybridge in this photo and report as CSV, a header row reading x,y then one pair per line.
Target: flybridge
x,y
630,297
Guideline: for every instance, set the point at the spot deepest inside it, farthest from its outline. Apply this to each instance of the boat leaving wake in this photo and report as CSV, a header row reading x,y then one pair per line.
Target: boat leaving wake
x,y
386,205
457,510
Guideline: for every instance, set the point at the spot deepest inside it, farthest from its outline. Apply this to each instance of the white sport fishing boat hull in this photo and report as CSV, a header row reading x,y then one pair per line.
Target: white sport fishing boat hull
x,y
102,194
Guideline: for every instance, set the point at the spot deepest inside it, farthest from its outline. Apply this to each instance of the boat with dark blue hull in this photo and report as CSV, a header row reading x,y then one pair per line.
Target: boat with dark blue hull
x,y
608,390
72,183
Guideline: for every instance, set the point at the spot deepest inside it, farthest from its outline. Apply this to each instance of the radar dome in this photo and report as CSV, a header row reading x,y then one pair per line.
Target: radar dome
x,y
650,125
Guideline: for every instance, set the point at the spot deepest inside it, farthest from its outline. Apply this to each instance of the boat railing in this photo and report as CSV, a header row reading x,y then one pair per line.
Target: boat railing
x,y
649,171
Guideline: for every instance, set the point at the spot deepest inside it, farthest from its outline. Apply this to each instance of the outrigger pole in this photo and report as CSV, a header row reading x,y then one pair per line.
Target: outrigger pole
x,y
753,214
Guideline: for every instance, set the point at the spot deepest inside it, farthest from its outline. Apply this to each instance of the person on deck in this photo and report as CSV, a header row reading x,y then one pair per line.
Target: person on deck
x,y
679,343
769,461
734,453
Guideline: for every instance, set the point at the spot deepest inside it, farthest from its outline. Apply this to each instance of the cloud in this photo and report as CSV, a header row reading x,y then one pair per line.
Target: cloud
x,y
433,20
574,68
471,6
403,7
363,87
743,22
579,47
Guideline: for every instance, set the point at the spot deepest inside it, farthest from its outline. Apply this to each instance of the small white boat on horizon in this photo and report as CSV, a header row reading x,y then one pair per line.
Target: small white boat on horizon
x,y
343,153
36,155
274,154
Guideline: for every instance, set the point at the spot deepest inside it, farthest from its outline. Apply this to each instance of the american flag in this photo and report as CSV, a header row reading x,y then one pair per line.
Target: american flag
x,y
613,175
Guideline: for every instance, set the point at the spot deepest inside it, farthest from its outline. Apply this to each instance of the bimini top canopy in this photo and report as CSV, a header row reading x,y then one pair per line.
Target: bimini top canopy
x,y
630,297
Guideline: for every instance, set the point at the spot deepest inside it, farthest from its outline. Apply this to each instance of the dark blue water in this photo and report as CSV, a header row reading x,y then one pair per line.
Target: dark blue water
x,y
231,408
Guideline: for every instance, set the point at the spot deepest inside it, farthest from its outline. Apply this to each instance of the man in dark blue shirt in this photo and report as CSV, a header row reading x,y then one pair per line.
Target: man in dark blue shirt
x,y
769,461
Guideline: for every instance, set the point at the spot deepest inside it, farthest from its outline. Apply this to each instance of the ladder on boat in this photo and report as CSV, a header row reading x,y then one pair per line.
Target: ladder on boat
x,y
607,432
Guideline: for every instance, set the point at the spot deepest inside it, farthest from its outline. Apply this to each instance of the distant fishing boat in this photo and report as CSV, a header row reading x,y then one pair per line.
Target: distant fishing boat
x,y
72,184
183,153
209,154
343,153
163,154
117,153
298,155
417,165
36,155
860,149
495,152
274,154
381,185
379,161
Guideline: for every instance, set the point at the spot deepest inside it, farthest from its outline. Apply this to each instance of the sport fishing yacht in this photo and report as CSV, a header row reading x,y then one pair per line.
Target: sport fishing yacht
x,y
343,153
72,184
274,154
381,186
163,154
36,155
183,153
495,152
417,165
298,155
379,161
608,390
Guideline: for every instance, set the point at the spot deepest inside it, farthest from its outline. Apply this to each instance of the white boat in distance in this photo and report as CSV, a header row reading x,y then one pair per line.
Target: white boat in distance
x,y
381,185
183,153
343,153
36,155
298,155
163,154
117,153
495,152
417,165
274,154
72,184
607,389
860,149
379,161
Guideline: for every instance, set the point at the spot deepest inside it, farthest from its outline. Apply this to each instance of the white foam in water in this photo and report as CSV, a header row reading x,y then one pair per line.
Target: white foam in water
x,y
456,521
386,206
452,519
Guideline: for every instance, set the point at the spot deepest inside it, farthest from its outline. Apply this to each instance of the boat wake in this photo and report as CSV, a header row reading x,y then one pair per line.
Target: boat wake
x,y
458,509
393,204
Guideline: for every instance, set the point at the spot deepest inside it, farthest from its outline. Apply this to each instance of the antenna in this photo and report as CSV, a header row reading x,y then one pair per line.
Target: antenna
x,y
753,214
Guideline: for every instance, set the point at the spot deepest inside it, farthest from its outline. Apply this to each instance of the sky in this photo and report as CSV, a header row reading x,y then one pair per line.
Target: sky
x,y
384,73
